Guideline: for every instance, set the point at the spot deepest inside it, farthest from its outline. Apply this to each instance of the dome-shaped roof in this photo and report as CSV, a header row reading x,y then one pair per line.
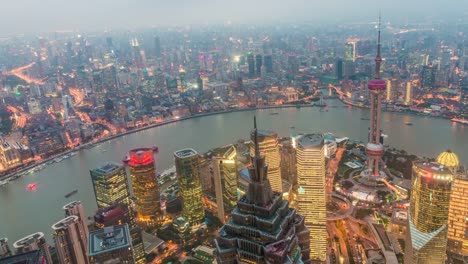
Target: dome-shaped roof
x,y
448,159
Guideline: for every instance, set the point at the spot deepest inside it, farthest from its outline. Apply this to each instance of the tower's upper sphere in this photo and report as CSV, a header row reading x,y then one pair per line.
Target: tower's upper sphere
x,y
377,85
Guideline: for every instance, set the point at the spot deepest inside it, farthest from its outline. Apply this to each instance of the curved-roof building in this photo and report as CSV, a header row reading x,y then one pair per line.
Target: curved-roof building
x,y
448,159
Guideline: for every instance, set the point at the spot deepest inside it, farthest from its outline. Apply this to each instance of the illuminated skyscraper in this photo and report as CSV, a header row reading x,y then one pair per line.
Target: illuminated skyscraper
x,y
110,185
375,148
457,244
428,213
145,186
34,242
188,175
311,191
225,180
392,90
350,51
68,244
269,148
262,228
409,93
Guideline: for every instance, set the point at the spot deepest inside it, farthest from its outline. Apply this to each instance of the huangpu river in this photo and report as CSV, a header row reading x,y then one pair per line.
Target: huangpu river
x,y
23,212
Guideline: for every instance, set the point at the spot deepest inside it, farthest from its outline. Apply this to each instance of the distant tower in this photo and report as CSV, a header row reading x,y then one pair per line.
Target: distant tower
x,y
251,64
225,180
339,69
145,186
188,175
33,242
428,213
269,148
268,61
375,148
110,185
258,64
157,47
68,244
310,156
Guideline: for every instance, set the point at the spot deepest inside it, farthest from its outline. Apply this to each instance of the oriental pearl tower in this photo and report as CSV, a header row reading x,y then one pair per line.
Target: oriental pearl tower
x,y
374,148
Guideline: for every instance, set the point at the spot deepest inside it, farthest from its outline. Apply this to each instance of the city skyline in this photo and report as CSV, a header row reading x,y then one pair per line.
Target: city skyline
x,y
147,132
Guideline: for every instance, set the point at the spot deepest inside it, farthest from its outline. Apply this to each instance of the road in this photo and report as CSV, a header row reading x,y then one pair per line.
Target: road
x,y
19,72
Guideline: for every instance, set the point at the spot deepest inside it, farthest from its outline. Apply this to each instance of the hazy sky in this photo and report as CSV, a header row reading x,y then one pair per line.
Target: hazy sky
x,y
29,16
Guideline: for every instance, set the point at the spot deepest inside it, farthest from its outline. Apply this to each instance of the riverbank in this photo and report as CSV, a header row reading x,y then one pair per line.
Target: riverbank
x,y
166,122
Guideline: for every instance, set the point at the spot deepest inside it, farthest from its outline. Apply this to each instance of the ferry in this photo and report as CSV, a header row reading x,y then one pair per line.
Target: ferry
x,y
459,120
71,193
274,113
408,123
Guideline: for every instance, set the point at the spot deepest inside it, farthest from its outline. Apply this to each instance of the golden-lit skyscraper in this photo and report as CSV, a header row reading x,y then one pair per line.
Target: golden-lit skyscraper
x,y
428,213
188,175
225,180
269,147
110,185
457,244
310,197
409,93
145,186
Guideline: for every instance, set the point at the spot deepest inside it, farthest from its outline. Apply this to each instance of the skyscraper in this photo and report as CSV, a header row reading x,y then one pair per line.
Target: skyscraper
x,y
428,213
262,228
251,64
311,191
110,185
409,93
428,76
110,245
188,175
157,47
268,61
225,180
269,148
68,244
392,90
34,242
375,148
119,214
350,51
4,248
258,63
339,69
145,186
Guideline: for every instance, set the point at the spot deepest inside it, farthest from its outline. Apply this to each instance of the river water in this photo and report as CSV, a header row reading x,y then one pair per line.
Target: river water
x,y
23,212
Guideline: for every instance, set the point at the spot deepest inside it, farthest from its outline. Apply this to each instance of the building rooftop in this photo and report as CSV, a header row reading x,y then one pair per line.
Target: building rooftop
x,y
433,167
26,241
31,257
185,153
64,223
107,168
310,141
108,239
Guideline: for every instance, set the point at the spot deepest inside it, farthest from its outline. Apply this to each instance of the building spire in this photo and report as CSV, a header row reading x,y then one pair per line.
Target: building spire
x,y
257,150
378,58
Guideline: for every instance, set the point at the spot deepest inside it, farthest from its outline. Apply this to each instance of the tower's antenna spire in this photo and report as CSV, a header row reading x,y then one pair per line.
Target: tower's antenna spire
x,y
378,58
257,150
